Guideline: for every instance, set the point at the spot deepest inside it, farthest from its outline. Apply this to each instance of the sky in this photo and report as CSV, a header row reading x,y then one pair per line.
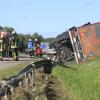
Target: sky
x,y
48,17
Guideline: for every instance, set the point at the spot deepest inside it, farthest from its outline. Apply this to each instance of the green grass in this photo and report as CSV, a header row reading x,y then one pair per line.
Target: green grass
x,y
82,83
5,73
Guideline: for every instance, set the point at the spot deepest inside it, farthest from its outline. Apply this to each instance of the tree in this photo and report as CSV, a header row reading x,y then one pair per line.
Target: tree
x,y
49,39
8,29
21,42
37,36
1,28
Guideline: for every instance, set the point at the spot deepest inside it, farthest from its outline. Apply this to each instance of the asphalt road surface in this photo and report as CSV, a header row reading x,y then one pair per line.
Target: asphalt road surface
x,y
22,59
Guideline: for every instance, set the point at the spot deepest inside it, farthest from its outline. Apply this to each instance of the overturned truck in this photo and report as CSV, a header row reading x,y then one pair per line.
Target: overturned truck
x,y
79,43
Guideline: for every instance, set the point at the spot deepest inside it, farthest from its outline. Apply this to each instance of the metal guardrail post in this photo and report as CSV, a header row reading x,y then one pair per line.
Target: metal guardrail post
x,y
21,83
12,90
5,87
29,78
46,77
26,80
5,96
33,76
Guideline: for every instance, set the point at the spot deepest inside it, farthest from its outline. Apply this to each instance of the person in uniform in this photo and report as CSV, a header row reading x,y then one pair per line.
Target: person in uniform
x,y
38,50
14,45
1,46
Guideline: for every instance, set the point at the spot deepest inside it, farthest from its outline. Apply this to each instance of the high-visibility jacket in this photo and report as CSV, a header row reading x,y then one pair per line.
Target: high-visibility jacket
x,y
14,44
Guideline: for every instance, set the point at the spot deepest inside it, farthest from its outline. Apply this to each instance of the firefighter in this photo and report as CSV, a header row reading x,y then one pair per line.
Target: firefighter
x,y
1,46
38,50
14,45
30,47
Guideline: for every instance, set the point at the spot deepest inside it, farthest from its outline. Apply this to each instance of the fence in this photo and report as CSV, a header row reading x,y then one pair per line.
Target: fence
x,y
24,78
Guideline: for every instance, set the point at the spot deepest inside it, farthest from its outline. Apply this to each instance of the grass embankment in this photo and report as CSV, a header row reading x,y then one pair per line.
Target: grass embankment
x,y
82,83
5,73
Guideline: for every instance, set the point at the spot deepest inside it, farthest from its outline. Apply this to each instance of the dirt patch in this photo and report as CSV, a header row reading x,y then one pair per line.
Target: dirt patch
x,y
51,90
23,94
54,90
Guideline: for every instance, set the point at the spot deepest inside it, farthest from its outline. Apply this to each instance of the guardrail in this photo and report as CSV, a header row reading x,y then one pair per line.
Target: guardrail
x,y
24,78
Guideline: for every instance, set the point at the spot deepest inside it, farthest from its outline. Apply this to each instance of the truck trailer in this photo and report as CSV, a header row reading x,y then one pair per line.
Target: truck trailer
x,y
79,43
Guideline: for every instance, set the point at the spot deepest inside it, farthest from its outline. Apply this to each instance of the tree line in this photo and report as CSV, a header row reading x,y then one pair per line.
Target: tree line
x,y
23,38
